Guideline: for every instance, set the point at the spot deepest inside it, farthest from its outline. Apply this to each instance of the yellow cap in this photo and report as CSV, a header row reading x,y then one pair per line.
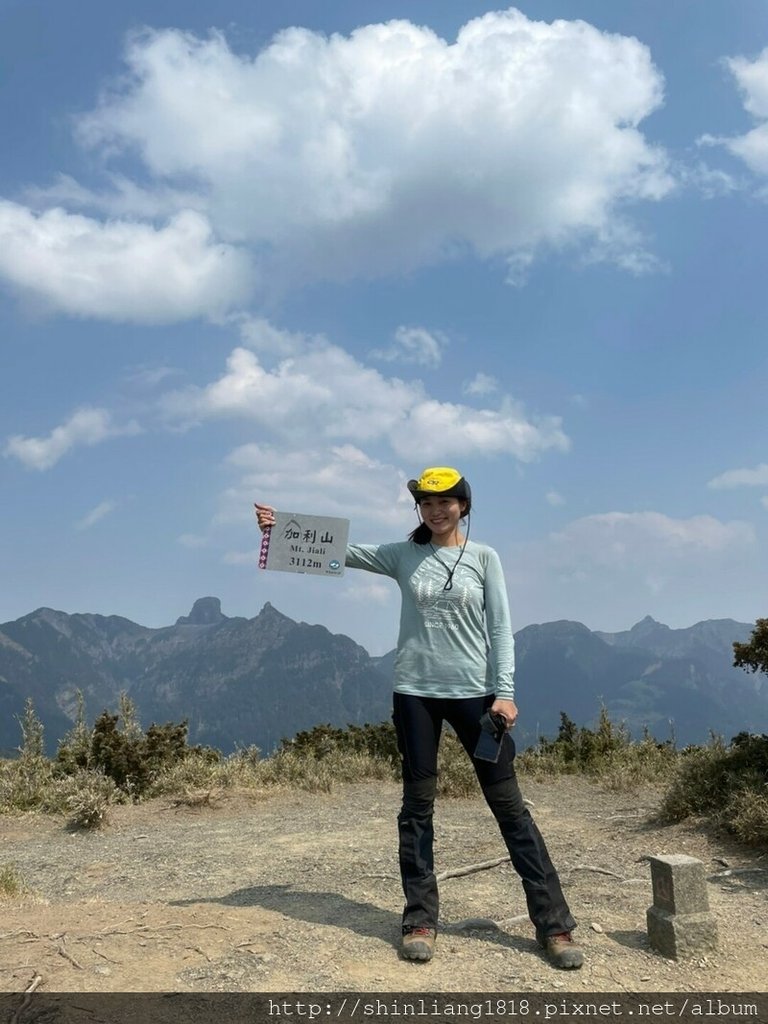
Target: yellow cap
x,y
440,480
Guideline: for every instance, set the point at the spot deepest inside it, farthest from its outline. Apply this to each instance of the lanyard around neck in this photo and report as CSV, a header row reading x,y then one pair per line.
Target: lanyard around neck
x,y
450,570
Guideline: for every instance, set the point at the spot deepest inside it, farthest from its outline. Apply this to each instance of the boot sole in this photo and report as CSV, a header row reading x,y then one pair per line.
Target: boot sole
x,y
419,951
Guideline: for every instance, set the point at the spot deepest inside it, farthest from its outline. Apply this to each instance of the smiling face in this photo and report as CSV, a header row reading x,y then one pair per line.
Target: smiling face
x,y
442,516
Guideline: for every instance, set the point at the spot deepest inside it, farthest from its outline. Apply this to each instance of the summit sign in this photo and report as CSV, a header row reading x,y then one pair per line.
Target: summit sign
x,y
305,543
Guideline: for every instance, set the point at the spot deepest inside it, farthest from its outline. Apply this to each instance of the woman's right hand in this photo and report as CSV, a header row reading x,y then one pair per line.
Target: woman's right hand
x,y
265,516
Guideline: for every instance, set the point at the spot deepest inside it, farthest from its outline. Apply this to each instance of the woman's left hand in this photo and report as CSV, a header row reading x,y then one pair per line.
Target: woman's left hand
x,y
507,709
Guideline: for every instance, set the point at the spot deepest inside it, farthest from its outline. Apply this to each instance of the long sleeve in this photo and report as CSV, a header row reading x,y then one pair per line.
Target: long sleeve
x,y
378,558
499,625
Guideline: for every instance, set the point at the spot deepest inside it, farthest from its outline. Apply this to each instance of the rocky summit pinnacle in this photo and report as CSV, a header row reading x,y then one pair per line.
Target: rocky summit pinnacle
x,y
206,611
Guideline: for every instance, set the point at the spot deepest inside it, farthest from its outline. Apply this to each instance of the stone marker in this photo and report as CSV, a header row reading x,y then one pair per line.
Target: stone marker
x,y
680,922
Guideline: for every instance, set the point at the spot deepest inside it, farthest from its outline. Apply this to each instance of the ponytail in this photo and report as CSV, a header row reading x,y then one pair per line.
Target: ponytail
x,y
421,535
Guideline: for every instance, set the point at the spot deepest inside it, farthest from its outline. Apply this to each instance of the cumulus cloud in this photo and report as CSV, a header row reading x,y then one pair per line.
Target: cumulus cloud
x,y
87,426
609,570
339,481
391,148
120,270
259,334
433,427
752,79
757,477
324,392
414,345
620,539
96,514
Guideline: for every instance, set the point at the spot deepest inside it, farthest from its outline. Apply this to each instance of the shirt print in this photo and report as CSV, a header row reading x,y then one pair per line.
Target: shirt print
x,y
440,608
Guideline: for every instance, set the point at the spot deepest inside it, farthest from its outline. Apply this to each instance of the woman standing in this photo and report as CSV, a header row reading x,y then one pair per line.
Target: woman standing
x,y
454,663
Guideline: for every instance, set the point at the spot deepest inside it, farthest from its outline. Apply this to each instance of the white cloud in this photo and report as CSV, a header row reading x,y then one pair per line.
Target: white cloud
x,y
120,270
757,477
609,570
481,384
149,377
96,514
643,539
554,498
260,335
393,148
752,79
711,182
336,481
414,345
764,501
438,428
86,426
122,199
324,392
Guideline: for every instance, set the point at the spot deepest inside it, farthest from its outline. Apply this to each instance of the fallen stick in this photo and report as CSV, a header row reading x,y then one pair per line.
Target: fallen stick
x,y
33,985
105,957
738,871
68,956
471,868
599,871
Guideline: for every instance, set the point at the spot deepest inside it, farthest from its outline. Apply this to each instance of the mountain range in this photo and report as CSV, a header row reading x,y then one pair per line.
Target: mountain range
x,y
240,681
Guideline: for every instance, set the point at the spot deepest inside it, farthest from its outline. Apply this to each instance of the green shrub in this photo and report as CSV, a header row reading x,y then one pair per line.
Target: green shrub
x,y
378,741
607,754
132,759
74,751
728,784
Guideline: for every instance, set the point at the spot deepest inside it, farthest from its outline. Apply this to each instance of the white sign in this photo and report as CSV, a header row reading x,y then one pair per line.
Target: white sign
x,y
304,543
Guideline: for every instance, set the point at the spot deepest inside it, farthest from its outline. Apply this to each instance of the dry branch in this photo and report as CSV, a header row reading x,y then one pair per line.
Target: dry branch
x,y
68,956
739,871
37,980
471,868
597,870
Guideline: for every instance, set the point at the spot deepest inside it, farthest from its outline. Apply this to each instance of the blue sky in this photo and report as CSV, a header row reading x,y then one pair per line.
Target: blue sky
x,y
297,252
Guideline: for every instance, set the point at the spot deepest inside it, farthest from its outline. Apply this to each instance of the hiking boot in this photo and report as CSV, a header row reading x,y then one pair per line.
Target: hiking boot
x,y
562,951
418,943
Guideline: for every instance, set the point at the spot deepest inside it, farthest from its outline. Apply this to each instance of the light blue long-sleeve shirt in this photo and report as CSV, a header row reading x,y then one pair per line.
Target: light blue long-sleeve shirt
x,y
452,643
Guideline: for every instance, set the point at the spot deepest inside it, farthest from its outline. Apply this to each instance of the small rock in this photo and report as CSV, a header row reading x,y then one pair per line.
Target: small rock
x,y
596,927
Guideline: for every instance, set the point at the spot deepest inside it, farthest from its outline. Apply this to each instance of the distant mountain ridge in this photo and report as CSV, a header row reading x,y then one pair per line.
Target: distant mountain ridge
x,y
242,681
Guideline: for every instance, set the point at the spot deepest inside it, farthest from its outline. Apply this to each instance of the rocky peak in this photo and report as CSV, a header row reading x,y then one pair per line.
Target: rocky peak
x,y
206,611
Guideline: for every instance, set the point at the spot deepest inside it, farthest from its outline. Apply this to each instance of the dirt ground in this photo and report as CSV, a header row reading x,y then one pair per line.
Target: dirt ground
x,y
296,892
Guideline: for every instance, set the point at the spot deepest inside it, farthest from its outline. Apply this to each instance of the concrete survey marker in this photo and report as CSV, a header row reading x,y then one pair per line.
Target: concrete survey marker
x,y
680,923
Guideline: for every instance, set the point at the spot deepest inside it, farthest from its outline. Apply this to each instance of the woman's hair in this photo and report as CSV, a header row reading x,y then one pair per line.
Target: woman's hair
x,y
421,535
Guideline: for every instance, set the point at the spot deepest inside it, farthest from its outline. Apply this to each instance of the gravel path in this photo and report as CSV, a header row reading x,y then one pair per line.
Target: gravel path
x,y
297,892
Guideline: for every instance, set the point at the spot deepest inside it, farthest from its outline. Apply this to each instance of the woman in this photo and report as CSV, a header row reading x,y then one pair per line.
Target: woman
x,y
454,663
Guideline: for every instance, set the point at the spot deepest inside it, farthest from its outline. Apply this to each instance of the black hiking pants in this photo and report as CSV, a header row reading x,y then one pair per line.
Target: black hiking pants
x,y
418,723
